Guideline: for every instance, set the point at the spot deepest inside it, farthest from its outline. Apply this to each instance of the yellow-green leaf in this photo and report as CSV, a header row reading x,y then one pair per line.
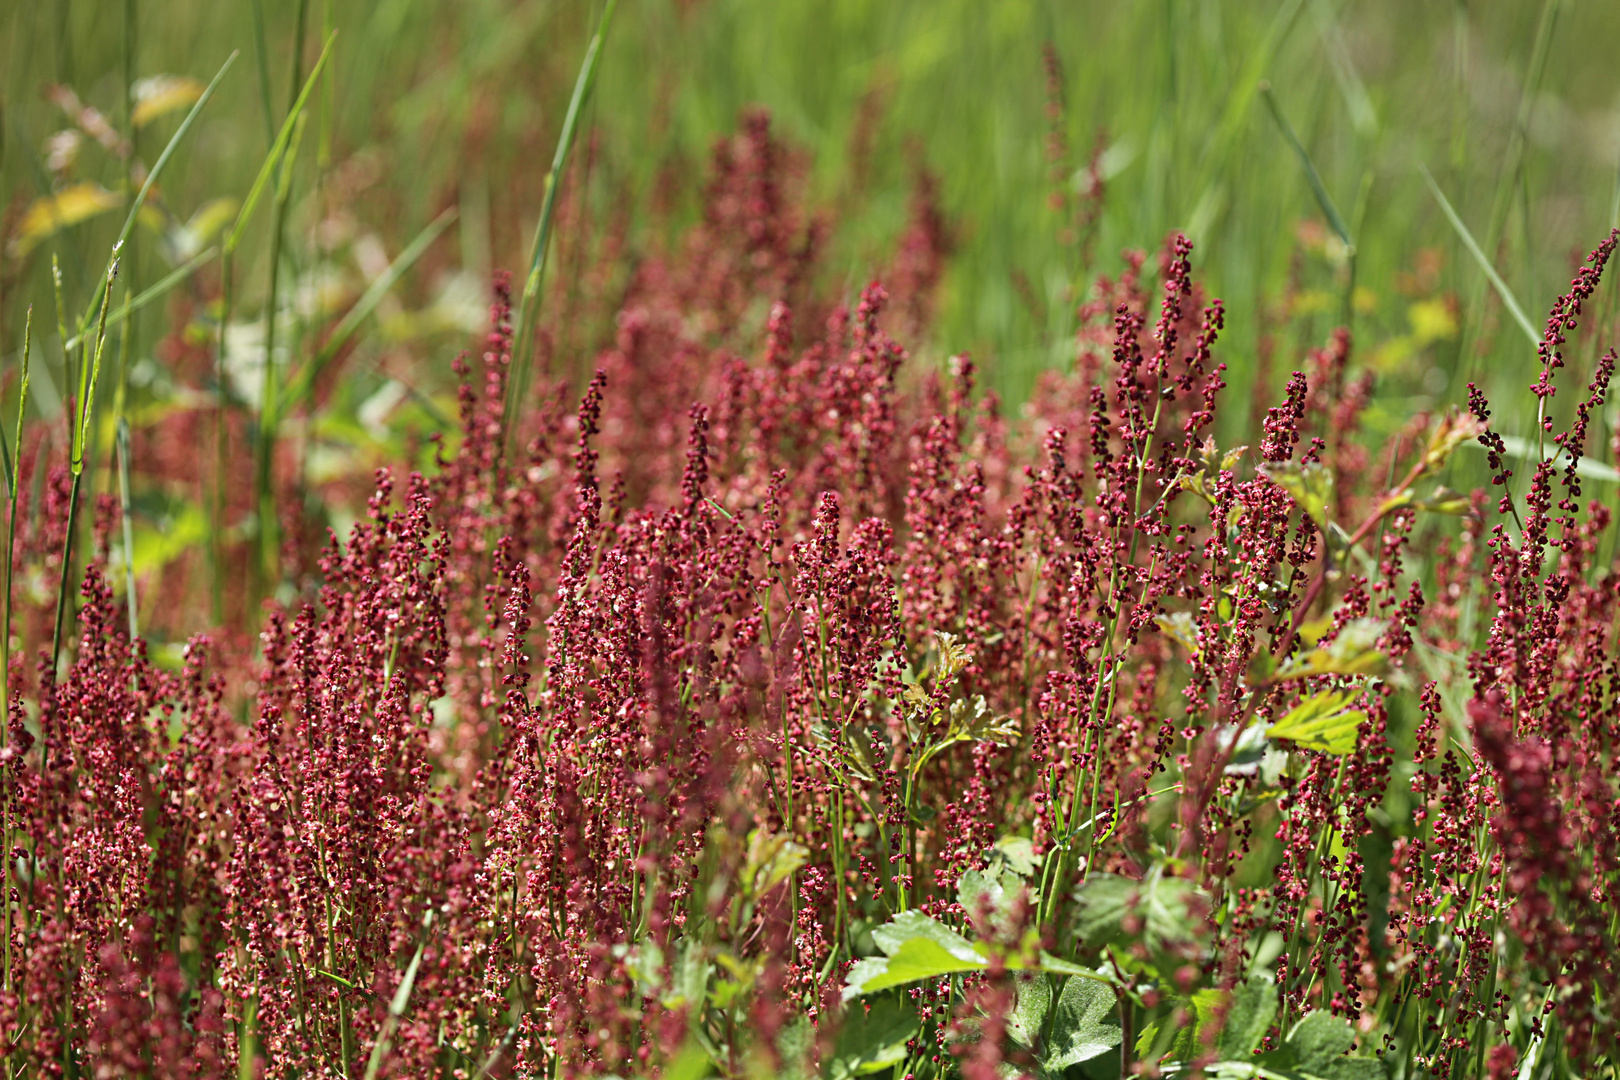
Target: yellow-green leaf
x,y
53,213
1321,722
1354,652
160,95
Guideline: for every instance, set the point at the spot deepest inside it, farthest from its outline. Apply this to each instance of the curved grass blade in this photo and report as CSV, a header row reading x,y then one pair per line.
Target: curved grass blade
x,y
151,178
1323,199
304,382
277,149
396,1008
517,385
1501,287
153,292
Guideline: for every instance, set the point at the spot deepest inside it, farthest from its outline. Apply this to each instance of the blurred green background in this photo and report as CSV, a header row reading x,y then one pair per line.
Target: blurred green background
x,y
1511,105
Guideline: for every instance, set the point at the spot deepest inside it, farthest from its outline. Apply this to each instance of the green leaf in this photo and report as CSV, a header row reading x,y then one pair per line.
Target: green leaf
x,y
1248,1018
1029,1016
1321,722
983,898
915,947
1314,1050
1180,628
1354,652
1083,1026
1318,1039
873,1040
1311,486
691,1063
1165,905
772,857
1017,853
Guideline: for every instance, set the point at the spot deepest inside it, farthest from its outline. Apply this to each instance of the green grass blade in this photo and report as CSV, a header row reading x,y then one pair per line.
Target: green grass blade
x,y
151,178
1323,199
124,515
277,149
516,386
396,1009
153,292
1491,275
362,309
6,446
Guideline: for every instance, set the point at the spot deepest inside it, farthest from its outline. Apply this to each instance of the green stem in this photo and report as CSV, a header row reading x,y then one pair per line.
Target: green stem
x,y
528,307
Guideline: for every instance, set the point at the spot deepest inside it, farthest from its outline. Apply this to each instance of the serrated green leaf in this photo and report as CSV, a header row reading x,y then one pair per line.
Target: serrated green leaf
x,y
1248,1018
1082,1027
1322,722
1166,914
1354,652
872,1040
1029,1016
915,947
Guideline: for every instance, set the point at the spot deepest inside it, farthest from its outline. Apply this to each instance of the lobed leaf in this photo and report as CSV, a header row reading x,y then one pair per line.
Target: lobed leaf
x,y
1354,652
1321,722
1083,1027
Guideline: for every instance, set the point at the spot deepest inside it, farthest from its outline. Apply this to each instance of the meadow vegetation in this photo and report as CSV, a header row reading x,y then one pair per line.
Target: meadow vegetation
x,y
721,539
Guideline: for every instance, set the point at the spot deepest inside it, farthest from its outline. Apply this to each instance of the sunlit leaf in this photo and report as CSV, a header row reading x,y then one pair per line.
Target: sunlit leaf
x,y
1322,722
1179,627
53,213
1028,1018
1354,652
159,95
1310,485
772,857
915,947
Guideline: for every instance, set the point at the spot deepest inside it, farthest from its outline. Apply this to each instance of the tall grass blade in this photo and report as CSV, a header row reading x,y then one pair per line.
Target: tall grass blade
x,y
129,528
304,382
277,148
153,292
78,425
1501,287
1319,189
151,178
396,1008
517,385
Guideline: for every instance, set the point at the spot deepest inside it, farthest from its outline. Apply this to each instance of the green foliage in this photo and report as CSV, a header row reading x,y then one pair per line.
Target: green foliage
x,y
1353,652
1322,722
1315,1048
1083,1027
914,947
1310,486
873,1037
1163,914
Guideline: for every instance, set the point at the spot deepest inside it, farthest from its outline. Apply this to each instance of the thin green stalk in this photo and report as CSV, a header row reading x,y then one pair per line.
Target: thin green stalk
x,y
265,566
129,529
272,161
81,409
216,531
12,466
528,306
154,292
